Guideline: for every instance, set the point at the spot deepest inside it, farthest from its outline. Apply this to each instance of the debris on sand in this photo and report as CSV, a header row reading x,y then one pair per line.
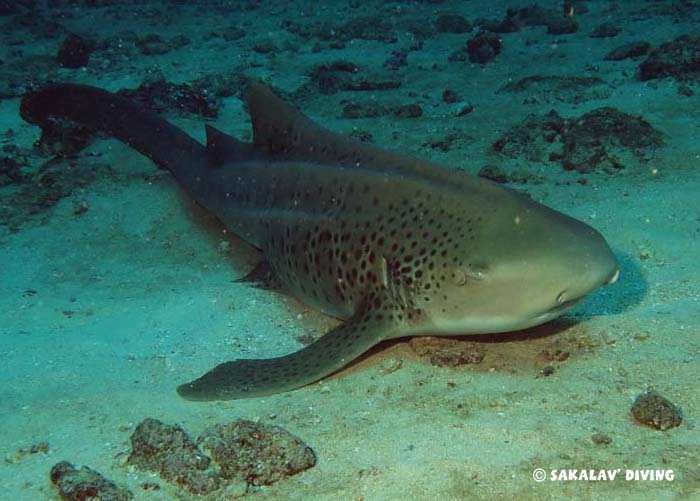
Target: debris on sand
x,y
656,411
75,484
259,454
240,453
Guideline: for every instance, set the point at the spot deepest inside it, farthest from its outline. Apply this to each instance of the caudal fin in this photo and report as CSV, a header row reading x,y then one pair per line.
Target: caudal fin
x,y
168,146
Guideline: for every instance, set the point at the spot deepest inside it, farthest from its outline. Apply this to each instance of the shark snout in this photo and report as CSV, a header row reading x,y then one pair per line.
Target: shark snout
x,y
604,264
586,263
573,296
601,269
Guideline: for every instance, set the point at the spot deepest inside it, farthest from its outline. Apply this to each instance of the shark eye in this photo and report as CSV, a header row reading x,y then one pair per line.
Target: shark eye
x,y
459,277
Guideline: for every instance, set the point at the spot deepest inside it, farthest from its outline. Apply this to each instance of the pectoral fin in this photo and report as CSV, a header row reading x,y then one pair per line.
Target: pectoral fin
x,y
262,277
255,378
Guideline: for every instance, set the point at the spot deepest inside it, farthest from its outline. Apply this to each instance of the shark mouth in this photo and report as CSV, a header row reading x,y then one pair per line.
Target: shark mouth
x,y
561,308
557,310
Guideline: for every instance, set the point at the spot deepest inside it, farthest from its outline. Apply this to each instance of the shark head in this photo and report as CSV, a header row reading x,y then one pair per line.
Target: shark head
x,y
519,264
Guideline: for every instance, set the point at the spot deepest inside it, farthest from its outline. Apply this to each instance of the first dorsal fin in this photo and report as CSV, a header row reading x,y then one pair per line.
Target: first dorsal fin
x,y
278,127
282,132
223,148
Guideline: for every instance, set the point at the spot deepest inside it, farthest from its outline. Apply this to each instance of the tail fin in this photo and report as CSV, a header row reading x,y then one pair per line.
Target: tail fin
x,y
168,146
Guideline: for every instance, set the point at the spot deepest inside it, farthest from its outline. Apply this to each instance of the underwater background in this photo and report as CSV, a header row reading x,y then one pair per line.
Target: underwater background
x,y
115,287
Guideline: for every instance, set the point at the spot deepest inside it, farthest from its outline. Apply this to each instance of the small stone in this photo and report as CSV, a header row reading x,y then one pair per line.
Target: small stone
x,y
601,439
678,59
367,28
169,451
179,41
75,484
257,453
365,84
562,26
568,89
449,96
409,111
452,23
150,486
391,365
606,30
74,52
398,59
80,207
152,45
200,97
547,370
628,51
39,448
446,352
593,141
554,356
656,411
233,33
557,23
359,110
483,48
419,29
464,109
264,46
10,171
684,90
334,76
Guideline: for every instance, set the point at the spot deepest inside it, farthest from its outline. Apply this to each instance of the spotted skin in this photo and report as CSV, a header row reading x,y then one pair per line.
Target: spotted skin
x,y
339,241
388,243
332,237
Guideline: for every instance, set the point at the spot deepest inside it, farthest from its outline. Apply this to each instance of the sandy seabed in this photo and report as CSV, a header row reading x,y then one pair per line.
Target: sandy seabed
x,y
104,313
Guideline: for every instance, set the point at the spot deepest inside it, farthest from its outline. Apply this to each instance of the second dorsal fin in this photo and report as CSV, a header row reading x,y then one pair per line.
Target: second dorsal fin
x,y
223,148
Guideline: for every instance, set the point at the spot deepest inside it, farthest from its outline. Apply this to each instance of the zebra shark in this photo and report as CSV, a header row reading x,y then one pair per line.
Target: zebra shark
x,y
390,244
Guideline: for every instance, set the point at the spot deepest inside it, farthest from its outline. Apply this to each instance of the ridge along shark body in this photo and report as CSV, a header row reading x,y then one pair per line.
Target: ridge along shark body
x,y
393,245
